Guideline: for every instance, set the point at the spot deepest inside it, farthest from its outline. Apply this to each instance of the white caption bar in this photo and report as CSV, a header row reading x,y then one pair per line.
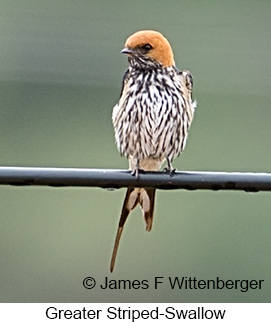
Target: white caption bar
x,y
122,312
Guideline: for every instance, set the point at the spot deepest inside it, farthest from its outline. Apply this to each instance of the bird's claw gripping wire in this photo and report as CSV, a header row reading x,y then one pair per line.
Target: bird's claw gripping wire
x,y
169,168
135,172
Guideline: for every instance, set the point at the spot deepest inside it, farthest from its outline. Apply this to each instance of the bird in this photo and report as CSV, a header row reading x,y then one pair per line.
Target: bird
x,y
152,117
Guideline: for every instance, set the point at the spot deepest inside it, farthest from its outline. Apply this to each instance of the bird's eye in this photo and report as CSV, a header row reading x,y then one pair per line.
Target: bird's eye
x,y
147,47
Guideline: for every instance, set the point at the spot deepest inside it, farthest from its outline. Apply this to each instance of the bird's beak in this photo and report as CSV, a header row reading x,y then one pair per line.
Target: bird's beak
x,y
127,51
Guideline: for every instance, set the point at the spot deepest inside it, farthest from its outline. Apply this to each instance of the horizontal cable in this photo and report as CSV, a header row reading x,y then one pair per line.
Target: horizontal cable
x,y
105,178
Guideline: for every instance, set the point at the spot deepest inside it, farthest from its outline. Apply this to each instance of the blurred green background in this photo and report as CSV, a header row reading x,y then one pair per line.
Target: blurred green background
x,y
60,76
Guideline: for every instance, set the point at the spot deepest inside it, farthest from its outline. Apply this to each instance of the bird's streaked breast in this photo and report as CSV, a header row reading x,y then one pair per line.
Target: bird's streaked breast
x,y
153,115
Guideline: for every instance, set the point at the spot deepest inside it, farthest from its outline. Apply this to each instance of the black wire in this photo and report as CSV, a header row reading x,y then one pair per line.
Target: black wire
x,y
105,178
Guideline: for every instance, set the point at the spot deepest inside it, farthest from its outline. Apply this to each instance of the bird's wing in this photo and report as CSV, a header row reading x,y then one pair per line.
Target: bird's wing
x,y
187,81
124,81
117,110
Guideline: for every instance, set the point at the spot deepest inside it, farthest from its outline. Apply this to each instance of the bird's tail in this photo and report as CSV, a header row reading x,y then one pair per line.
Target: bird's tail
x,y
143,196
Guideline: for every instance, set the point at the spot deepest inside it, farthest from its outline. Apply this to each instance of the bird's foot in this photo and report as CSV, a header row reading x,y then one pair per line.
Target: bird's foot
x,y
169,168
135,172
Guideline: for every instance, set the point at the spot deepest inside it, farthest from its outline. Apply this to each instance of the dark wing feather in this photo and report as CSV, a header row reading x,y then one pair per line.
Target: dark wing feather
x,y
124,81
187,83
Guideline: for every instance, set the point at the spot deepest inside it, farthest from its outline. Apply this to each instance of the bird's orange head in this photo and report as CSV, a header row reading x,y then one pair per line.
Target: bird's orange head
x,y
149,46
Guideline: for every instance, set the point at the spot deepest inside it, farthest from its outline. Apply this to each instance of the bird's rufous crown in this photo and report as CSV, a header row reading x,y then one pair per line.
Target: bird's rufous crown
x,y
161,50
